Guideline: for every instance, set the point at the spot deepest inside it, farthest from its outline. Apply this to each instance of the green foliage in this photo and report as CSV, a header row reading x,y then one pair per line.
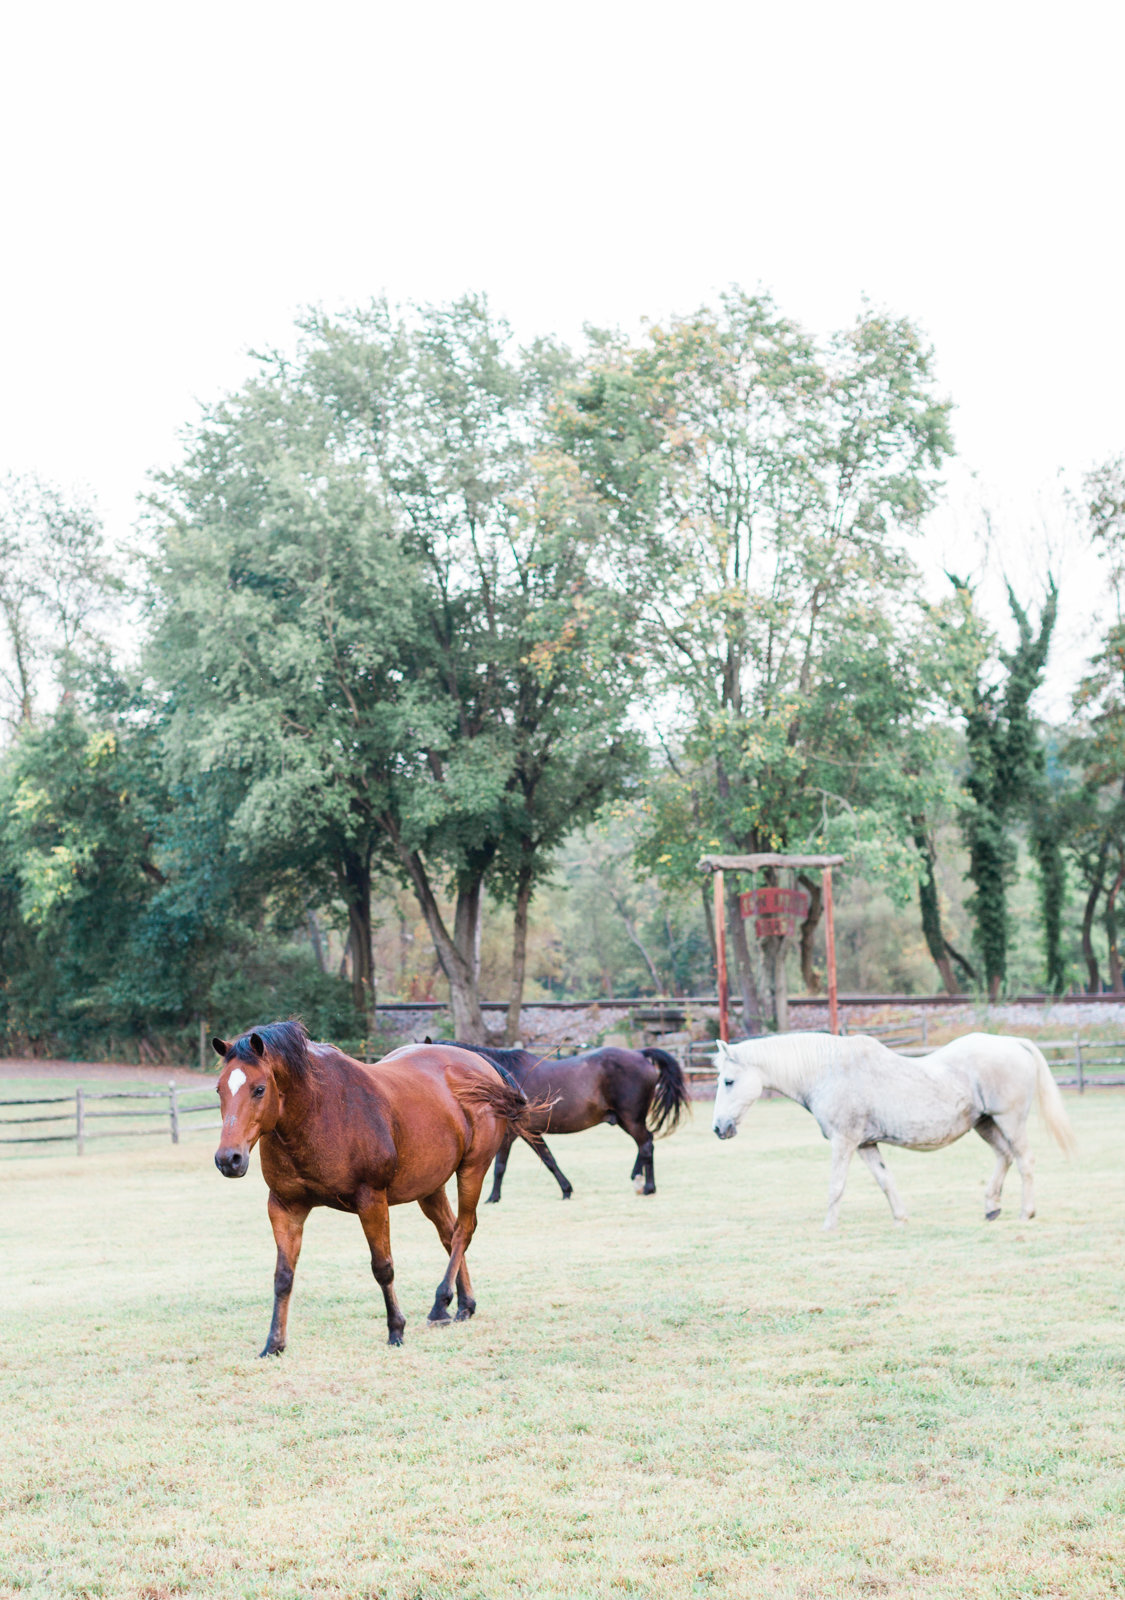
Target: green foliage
x,y
756,490
379,603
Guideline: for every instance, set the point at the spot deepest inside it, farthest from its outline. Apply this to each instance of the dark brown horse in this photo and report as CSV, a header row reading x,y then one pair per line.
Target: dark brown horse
x,y
361,1138
607,1085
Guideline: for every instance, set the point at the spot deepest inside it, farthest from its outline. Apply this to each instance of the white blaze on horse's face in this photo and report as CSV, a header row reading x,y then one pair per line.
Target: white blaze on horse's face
x,y
738,1087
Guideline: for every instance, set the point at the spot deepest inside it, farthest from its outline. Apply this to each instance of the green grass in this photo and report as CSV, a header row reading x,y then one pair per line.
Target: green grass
x,y
697,1393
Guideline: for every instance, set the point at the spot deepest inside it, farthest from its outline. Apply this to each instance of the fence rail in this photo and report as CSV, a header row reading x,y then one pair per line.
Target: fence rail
x,y
171,1110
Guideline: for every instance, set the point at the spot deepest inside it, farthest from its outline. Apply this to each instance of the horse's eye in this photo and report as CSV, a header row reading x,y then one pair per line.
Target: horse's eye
x,y
728,1083
258,1090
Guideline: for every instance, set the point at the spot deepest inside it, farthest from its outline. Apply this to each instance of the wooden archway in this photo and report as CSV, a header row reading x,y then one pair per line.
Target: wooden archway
x,y
717,865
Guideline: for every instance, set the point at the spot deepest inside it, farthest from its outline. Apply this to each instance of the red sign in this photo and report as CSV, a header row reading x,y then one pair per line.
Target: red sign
x,y
776,911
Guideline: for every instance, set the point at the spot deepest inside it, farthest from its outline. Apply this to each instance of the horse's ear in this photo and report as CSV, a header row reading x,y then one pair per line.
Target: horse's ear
x,y
257,1045
220,1046
427,1040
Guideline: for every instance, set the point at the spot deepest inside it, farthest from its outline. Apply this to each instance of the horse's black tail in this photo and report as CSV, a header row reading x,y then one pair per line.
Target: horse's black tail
x,y
670,1095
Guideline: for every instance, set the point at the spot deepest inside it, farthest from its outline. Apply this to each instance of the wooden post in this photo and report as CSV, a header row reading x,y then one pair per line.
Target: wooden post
x,y
203,1056
174,1112
721,955
80,1120
830,952
1078,1063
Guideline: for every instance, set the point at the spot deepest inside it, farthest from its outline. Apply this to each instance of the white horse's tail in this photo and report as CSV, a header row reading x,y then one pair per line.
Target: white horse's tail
x,y
1050,1100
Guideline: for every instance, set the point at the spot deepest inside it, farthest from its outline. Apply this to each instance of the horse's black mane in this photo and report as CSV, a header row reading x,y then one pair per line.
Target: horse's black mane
x,y
289,1040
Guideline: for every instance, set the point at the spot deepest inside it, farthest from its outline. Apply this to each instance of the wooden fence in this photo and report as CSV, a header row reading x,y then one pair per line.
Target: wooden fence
x,y
86,1106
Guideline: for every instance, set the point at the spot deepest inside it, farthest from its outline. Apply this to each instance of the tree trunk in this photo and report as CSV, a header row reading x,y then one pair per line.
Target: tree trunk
x,y
316,941
1110,919
930,907
459,956
1094,980
635,938
808,932
356,875
519,954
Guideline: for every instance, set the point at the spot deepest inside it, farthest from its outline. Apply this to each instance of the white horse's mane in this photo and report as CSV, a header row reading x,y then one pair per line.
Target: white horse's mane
x,y
787,1060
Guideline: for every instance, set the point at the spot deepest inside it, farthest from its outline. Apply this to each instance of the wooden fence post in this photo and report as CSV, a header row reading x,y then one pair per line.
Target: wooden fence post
x,y
830,950
80,1120
174,1112
1078,1063
721,955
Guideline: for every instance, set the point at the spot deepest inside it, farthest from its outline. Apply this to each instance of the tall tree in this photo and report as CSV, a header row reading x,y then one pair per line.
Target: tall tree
x,y
380,601
1004,781
758,487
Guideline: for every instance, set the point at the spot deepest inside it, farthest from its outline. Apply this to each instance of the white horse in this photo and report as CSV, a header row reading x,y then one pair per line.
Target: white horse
x,y
863,1094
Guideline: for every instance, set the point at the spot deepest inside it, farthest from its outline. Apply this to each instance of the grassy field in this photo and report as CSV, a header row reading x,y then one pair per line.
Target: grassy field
x,y
694,1394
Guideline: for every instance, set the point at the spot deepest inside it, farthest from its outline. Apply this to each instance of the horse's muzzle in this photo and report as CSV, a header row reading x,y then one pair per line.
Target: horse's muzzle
x,y
232,1163
723,1130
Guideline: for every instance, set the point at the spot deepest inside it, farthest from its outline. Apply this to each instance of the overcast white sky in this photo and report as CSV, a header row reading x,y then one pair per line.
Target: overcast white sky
x,y
180,180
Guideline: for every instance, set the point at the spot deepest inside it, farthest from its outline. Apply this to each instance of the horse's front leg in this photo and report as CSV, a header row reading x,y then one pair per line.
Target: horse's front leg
x,y
874,1158
842,1151
374,1216
288,1223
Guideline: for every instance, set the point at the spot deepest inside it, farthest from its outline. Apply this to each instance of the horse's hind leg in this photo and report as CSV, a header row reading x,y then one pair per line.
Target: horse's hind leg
x,y
842,1151
470,1181
375,1220
644,1172
288,1223
436,1206
998,1141
1014,1129
874,1158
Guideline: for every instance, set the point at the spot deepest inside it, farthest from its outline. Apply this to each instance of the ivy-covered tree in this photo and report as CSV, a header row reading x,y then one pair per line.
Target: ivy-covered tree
x,y
1004,782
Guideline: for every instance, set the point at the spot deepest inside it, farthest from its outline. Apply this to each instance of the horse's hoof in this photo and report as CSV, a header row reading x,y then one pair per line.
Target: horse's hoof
x,y
566,1194
436,1317
990,1216
639,1185
465,1312
649,1188
493,1200
394,1338
270,1350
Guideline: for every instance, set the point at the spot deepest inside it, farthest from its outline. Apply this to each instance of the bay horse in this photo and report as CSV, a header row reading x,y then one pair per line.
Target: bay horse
x,y
864,1095
611,1085
361,1138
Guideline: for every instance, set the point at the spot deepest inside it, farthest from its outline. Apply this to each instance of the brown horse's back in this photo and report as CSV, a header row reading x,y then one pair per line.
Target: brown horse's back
x,y
439,1102
581,1091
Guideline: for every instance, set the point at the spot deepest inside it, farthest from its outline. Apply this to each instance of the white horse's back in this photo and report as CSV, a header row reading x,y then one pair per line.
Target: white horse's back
x,y
863,1094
